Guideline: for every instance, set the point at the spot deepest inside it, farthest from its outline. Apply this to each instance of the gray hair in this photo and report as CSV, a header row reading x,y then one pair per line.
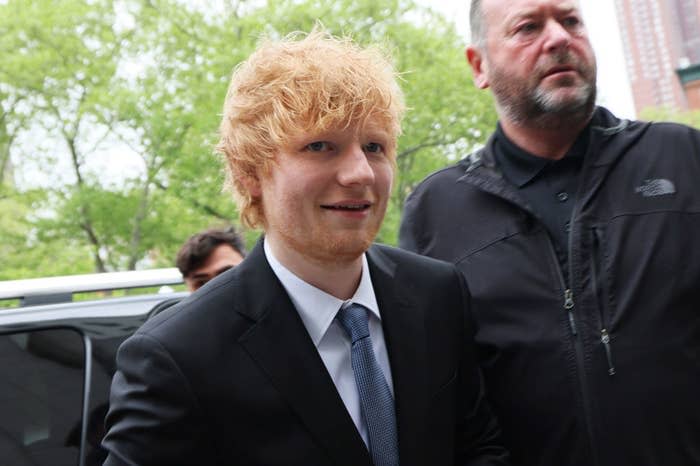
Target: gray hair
x,y
477,25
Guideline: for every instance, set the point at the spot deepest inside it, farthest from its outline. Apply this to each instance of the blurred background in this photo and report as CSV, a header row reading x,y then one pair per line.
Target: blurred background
x,y
109,109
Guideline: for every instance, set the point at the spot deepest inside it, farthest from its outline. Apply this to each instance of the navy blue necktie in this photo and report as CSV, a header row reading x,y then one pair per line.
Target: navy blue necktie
x,y
375,397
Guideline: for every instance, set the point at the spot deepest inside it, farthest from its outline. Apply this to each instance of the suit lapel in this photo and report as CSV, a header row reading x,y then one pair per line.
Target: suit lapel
x,y
282,348
404,332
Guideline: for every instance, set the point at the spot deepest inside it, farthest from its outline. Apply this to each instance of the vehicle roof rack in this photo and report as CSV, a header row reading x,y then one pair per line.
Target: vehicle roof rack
x,y
47,290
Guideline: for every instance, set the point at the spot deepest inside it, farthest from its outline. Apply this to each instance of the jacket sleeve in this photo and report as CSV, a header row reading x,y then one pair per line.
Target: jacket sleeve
x,y
152,414
427,220
478,441
411,220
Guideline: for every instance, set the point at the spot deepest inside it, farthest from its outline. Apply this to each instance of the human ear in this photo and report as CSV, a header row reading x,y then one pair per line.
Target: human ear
x,y
479,66
251,183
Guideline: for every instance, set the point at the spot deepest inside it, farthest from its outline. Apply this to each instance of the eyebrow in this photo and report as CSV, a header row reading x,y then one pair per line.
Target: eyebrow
x,y
216,272
223,269
534,12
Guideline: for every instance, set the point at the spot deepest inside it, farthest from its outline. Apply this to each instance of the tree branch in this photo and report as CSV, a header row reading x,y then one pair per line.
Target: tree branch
x,y
425,145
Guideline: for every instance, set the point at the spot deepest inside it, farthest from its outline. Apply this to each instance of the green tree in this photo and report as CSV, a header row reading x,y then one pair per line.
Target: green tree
x,y
60,60
145,80
690,117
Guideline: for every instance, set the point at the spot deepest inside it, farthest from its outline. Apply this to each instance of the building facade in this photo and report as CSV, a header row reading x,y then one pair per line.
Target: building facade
x,y
661,43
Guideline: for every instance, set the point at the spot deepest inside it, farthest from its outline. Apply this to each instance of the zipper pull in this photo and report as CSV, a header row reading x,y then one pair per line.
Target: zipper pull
x,y
605,339
569,306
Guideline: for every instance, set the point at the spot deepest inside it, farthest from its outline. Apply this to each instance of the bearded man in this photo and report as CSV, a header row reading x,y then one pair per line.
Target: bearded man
x,y
578,235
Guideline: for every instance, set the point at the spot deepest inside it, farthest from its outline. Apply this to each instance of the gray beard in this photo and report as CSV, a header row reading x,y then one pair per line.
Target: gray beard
x,y
539,108
542,110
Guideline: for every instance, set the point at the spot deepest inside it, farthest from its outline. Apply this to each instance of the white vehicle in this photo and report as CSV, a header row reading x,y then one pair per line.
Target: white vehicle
x,y
57,358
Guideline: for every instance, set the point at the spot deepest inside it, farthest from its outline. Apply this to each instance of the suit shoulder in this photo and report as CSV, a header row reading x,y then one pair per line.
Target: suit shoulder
x,y
196,315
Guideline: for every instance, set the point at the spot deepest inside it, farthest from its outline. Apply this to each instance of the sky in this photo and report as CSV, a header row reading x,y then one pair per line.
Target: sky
x,y
600,19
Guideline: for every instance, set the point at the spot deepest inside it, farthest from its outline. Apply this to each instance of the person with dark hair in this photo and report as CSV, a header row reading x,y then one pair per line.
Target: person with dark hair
x,y
208,254
577,232
321,348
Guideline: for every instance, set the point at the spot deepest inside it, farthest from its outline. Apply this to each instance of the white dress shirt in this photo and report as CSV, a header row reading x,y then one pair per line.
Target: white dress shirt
x,y
317,310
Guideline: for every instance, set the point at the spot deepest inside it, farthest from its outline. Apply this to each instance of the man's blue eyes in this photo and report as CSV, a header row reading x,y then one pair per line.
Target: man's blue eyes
x,y
373,147
319,146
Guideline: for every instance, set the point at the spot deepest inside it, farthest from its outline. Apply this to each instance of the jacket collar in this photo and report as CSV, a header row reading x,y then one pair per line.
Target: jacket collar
x,y
300,375
280,345
404,333
521,167
610,139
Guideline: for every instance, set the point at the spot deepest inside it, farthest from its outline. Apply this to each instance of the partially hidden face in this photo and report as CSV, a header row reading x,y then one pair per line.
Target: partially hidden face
x,y
221,258
325,195
537,57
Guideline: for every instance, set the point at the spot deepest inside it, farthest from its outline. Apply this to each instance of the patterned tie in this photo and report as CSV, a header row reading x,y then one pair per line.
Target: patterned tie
x,y
375,396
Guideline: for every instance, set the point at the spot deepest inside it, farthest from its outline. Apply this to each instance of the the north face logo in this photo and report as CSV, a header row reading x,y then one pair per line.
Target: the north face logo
x,y
656,187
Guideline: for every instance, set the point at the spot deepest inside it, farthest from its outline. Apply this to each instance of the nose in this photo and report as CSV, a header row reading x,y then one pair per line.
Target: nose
x,y
557,36
354,167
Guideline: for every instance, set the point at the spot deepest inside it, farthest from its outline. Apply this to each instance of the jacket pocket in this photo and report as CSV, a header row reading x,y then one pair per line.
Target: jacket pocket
x,y
600,288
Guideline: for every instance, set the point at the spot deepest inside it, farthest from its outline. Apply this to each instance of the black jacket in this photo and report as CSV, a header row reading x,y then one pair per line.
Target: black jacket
x,y
602,370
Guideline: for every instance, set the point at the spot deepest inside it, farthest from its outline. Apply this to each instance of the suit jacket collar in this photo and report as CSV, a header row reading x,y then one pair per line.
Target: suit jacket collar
x,y
281,346
279,343
404,333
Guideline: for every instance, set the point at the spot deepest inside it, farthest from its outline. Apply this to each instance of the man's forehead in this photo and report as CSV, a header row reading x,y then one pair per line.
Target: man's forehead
x,y
502,10
372,125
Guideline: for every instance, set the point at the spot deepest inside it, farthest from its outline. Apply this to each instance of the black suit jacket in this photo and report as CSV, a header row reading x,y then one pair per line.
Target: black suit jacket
x,y
230,376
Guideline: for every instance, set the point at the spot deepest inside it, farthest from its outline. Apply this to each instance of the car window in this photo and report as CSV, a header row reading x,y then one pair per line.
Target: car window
x,y
41,397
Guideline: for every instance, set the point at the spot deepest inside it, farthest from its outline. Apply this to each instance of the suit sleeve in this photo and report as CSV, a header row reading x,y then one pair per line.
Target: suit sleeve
x,y
152,417
478,440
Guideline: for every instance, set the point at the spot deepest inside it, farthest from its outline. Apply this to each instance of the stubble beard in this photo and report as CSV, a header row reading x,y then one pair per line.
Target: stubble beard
x,y
529,104
331,247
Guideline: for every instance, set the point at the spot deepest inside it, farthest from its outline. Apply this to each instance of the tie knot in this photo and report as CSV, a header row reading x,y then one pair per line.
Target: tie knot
x,y
354,320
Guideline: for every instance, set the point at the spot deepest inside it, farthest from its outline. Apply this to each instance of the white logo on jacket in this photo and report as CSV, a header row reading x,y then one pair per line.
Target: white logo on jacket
x,y
656,187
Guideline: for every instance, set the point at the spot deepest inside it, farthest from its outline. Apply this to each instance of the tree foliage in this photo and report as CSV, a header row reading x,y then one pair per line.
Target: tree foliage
x,y
690,117
115,105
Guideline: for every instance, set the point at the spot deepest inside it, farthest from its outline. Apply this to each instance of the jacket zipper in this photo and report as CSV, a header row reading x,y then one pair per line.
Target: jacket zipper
x,y
578,343
605,339
600,300
568,294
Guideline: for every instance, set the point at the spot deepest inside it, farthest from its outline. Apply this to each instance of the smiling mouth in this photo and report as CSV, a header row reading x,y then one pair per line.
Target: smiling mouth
x,y
348,207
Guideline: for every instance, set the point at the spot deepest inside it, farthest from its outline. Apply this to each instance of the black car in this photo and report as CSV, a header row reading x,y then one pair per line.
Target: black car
x,y
57,358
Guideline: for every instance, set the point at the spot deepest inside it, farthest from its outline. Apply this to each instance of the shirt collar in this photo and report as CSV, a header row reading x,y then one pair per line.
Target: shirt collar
x,y
317,308
520,167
